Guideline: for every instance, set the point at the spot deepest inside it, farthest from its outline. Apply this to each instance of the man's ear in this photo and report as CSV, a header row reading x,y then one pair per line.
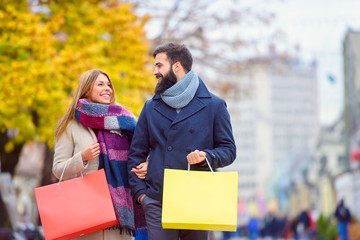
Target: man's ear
x,y
177,67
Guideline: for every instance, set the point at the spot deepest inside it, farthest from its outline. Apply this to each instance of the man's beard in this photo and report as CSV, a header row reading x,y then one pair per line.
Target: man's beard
x,y
167,81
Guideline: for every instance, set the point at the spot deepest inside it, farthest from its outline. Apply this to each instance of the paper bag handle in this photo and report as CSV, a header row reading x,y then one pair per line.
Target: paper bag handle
x,y
62,174
207,161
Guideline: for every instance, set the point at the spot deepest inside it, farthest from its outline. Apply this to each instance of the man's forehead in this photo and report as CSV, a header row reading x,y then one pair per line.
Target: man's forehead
x,y
161,58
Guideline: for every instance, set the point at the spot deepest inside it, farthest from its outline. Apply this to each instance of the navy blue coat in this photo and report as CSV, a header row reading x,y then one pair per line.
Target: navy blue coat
x,y
167,137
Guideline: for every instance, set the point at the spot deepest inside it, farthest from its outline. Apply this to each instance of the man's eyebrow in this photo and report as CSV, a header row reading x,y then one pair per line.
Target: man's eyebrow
x,y
158,64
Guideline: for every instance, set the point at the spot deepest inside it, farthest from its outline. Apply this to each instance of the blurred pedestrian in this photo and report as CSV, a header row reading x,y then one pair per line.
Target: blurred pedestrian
x,y
313,225
182,124
93,134
271,226
343,216
294,226
287,231
253,228
304,225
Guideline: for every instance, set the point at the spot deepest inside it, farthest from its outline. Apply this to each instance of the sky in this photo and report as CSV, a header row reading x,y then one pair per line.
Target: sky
x,y
318,27
313,30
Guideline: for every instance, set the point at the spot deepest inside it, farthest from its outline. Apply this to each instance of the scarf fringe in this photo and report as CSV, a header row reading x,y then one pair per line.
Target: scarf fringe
x,y
123,230
140,232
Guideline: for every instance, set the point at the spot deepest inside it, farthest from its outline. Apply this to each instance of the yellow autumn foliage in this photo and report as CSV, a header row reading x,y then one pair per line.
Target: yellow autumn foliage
x,y
44,53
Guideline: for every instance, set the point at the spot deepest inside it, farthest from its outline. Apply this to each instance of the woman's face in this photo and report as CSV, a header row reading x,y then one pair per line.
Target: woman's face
x,y
101,91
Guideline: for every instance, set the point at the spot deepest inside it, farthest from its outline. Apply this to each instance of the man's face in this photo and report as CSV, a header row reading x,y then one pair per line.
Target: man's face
x,y
164,73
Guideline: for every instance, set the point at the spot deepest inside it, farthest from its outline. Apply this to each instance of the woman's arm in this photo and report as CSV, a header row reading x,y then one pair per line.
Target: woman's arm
x,y
64,155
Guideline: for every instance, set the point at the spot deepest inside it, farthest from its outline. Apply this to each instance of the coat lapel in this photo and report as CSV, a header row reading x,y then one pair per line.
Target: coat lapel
x,y
193,107
165,110
199,102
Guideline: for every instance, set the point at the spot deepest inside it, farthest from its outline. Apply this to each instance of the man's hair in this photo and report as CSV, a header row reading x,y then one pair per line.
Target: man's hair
x,y
176,53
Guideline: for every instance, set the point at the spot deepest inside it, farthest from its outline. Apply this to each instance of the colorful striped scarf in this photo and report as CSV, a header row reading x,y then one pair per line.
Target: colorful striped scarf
x,y
114,126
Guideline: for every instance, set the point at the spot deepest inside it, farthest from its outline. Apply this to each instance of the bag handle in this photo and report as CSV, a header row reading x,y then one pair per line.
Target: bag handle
x,y
62,174
207,161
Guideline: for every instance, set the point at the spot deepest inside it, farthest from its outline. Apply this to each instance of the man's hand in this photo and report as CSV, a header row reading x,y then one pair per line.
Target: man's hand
x,y
141,198
140,170
196,157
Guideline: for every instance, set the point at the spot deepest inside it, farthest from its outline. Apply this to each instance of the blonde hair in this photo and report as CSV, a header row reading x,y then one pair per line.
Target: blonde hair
x,y
86,84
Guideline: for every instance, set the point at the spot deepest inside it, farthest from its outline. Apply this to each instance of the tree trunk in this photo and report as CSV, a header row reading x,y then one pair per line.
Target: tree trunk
x,y
8,164
47,176
8,160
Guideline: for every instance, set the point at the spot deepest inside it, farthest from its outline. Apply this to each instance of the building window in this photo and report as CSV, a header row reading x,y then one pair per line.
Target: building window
x,y
341,160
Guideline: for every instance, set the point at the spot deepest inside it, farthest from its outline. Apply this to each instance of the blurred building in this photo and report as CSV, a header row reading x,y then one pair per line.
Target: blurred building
x,y
351,48
330,161
273,107
347,184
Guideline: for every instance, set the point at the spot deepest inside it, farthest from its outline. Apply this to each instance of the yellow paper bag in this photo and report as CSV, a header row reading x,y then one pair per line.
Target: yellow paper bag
x,y
199,200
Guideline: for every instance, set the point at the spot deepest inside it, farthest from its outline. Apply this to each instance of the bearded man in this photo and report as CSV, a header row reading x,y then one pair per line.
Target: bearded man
x,y
183,123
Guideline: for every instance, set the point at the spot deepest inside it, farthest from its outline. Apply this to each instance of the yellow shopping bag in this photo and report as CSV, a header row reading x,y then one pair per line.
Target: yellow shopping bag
x,y
199,200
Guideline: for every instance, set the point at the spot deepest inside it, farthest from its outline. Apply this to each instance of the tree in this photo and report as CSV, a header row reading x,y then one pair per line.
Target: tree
x,y
212,29
44,48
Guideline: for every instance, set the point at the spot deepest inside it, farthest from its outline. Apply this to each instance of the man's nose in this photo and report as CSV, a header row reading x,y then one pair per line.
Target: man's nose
x,y
156,71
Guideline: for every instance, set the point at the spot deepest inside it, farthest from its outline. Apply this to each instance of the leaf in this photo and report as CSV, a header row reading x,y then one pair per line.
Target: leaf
x,y
42,56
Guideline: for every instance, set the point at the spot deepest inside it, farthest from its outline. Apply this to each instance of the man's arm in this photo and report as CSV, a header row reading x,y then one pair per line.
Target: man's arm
x,y
224,152
139,150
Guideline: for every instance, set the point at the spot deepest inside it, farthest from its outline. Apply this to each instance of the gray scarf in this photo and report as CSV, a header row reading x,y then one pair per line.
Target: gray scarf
x,y
179,95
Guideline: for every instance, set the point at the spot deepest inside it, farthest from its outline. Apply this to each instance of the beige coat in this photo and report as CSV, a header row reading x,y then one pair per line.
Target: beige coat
x,y
68,149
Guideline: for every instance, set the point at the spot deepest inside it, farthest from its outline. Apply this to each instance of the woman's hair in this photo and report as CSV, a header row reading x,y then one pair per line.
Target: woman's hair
x,y
85,86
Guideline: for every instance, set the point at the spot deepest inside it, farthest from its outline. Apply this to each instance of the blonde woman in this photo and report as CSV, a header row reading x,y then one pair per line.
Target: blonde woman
x,y
95,133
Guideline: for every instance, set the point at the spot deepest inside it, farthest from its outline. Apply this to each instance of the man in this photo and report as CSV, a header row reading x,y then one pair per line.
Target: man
x,y
343,217
183,123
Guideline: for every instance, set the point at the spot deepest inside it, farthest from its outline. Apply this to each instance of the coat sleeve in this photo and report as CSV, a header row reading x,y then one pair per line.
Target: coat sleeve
x,y
224,151
64,154
139,151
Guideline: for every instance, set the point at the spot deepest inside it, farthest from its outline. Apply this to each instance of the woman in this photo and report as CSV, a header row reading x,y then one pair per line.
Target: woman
x,y
93,134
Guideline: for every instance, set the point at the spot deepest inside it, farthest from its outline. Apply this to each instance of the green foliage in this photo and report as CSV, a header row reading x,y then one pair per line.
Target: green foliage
x,y
42,56
326,228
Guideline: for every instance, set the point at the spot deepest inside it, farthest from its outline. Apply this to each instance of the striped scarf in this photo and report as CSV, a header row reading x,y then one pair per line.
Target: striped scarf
x,y
114,126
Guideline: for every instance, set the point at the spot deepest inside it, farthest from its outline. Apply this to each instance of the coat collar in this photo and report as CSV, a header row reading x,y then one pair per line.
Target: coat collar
x,y
196,104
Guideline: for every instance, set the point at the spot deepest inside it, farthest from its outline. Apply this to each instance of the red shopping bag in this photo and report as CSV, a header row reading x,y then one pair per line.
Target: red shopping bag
x,y
75,207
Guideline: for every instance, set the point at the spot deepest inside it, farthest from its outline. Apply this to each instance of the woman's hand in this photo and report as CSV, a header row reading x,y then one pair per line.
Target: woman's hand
x,y
140,170
90,152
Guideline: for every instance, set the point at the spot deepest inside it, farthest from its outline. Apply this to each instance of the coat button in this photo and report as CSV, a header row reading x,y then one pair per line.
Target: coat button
x,y
192,130
169,148
188,150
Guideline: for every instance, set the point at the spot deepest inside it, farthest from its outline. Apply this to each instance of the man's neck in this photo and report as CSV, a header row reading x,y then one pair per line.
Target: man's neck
x,y
180,76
